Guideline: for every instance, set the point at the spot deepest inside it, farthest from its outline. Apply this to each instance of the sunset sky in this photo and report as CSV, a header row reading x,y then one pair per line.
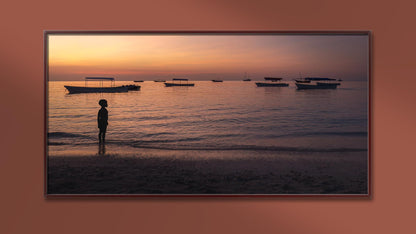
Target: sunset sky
x,y
206,57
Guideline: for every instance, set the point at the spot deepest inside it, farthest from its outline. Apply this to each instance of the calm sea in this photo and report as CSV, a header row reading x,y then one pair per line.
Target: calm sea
x,y
210,117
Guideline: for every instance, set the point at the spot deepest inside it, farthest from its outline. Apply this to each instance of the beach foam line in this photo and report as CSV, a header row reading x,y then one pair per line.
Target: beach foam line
x,y
146,135
65,135
305,134
176,147
157,134
253,148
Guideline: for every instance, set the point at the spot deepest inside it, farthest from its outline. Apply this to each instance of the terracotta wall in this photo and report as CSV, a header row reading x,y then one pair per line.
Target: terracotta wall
x,y
23,208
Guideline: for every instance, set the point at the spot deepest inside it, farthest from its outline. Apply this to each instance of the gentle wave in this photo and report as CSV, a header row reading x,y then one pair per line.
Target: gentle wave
x,y
251,148
230,116
158,134
364,134
157,145
74,135
65,135
67,116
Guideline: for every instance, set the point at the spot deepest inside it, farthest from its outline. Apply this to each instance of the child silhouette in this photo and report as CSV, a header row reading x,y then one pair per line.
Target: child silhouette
x,y
102,120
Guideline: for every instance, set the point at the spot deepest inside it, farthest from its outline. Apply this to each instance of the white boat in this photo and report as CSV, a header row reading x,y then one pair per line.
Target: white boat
x,y
180,83
274,82
101,88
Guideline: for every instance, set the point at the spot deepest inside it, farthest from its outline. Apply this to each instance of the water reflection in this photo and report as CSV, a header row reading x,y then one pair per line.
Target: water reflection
x,y
230,113
272,90
101,149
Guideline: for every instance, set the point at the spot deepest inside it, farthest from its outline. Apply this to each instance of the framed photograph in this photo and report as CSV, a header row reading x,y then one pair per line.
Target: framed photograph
x,y
207,113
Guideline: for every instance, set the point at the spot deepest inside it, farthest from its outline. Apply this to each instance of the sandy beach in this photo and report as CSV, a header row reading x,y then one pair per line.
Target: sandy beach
x,y
307,173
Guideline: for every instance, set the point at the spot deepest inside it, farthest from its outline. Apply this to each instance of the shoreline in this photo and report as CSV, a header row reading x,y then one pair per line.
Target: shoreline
x,y
258,173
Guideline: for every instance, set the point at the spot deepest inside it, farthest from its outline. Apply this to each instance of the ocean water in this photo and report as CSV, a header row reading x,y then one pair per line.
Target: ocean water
x,y
215,118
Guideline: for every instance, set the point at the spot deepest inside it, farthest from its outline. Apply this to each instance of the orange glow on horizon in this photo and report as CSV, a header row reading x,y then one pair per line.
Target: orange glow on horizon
x,y
197,54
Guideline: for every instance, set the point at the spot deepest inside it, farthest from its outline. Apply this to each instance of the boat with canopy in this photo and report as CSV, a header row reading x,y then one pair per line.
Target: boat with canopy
x,y
318,83
101,88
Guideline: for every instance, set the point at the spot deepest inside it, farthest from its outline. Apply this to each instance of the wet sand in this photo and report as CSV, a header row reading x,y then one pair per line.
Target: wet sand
x,y
314,173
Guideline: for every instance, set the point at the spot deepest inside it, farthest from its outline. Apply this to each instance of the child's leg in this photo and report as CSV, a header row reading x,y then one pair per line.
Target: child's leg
x,y
103,134
100,135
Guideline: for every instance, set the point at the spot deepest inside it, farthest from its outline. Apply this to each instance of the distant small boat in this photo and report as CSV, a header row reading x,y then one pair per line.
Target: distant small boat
x,y
101,89
180,82
132,87
316,86
246,77
138,81
320,83
275,82
302,81
319,79
159,80
216,80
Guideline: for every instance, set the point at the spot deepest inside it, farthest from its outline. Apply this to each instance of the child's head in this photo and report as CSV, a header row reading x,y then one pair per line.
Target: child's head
x,y
103,103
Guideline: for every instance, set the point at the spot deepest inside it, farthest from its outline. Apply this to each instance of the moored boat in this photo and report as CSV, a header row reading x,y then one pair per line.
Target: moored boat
x,y
132,87
216,80
274,82
319,79
159,80
316,86
80,89
246,78
319,83
138,81
180,83
101,88
302,81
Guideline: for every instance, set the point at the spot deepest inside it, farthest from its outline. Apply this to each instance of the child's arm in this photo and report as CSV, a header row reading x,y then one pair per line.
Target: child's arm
x,y
105,117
